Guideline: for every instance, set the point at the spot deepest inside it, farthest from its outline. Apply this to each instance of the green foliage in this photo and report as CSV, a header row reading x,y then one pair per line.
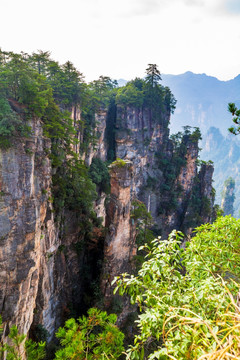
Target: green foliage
x,y
100,176
147,94
103,89
92,337
144,220
74,190
47,89
35,85
153,75
35,351
11,124
120,163
169,100
186,296
130,95
18,345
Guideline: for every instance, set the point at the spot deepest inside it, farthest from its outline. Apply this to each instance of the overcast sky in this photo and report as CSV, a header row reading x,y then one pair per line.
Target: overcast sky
x,y
118,38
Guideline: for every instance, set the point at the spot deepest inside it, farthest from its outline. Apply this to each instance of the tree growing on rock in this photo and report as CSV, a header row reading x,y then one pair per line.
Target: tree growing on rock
x,y
153,75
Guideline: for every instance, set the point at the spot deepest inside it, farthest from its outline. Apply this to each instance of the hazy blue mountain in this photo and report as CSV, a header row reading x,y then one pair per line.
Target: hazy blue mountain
x,y
202,100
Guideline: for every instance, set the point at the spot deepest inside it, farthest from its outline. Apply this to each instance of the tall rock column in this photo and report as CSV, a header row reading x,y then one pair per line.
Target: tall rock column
x,y
120,240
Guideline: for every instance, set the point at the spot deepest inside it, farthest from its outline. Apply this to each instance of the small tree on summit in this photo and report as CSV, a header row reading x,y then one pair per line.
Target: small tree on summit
x,y
153,75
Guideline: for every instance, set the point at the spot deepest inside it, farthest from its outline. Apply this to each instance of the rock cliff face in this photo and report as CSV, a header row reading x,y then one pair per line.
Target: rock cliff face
x,y
164,176
27,230
138,139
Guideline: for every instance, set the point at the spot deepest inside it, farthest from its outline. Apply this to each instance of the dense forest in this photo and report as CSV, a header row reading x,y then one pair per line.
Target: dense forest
x,y
183,292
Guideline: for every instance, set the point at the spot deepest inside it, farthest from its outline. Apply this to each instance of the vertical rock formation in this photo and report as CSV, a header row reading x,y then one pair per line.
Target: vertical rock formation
x,y
165,172
138,139
119,246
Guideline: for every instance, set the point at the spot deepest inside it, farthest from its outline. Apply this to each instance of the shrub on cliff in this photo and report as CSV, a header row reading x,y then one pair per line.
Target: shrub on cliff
x,y
186,297
92,337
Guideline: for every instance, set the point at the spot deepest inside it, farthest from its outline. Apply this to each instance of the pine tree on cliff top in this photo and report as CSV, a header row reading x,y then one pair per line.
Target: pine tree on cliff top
x,y
153,75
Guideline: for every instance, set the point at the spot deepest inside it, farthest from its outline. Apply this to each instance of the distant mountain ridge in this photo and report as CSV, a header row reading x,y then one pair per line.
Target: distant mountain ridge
x,y
202,100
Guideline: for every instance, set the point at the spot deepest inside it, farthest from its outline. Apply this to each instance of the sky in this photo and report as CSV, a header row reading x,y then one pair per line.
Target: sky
x,y
119,38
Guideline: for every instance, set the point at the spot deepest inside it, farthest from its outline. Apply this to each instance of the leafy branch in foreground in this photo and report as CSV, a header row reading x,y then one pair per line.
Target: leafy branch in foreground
x,y
185,296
